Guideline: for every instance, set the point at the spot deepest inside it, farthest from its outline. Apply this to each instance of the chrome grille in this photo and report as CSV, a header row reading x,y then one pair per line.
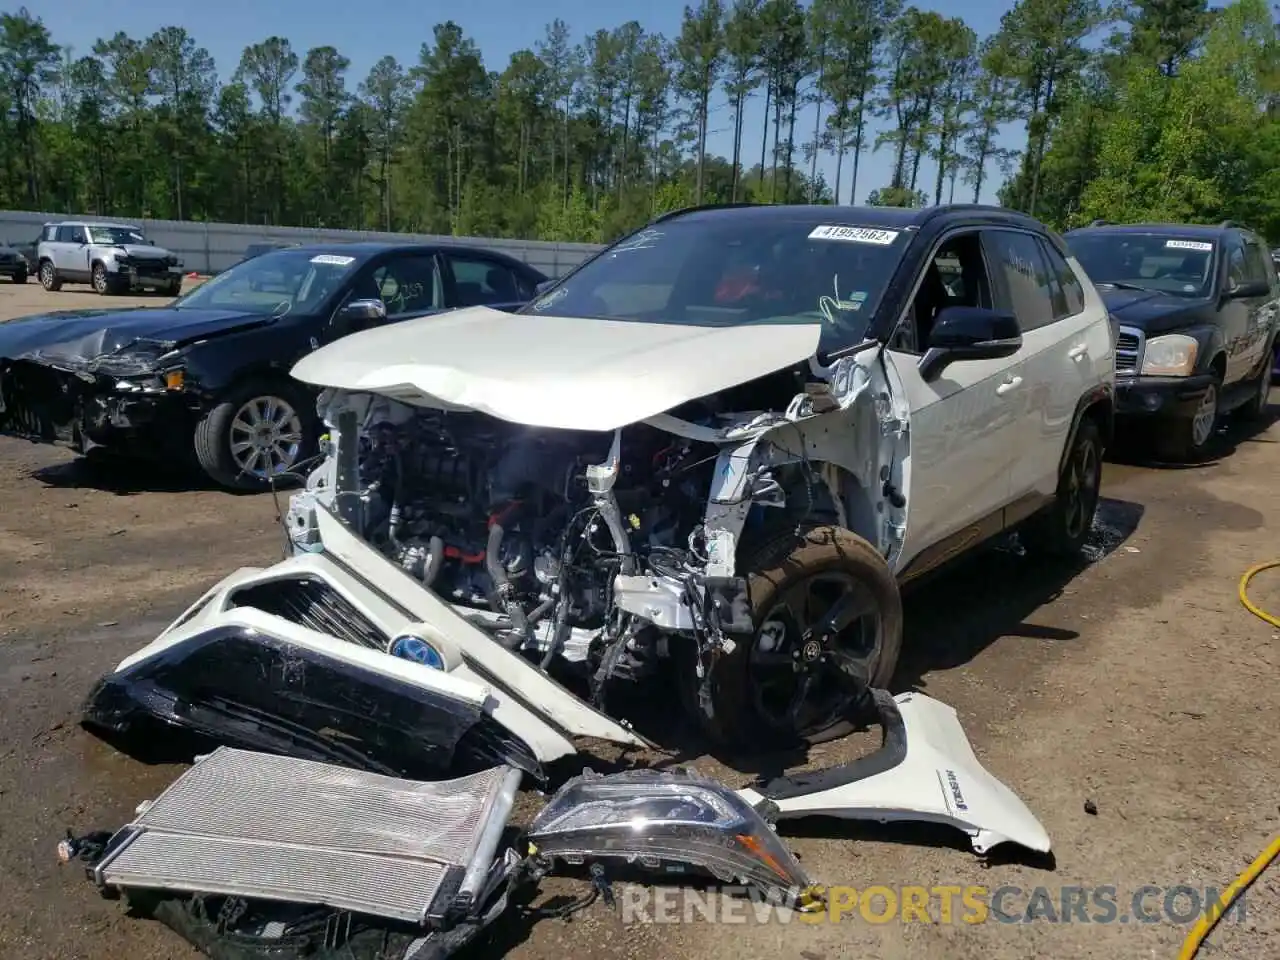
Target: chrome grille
x,y
1129,344
249,824
314,604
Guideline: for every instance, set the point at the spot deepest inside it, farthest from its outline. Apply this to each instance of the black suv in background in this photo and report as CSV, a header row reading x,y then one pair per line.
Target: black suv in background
x,y
1197,311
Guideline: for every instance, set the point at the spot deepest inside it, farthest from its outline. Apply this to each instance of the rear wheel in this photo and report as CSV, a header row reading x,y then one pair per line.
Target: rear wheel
x,y
1062,529
20,277
49,278
791,681
257,434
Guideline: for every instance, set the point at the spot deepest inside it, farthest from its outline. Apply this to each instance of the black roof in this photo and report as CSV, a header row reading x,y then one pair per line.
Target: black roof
x,y
364,249
893,218
1187,231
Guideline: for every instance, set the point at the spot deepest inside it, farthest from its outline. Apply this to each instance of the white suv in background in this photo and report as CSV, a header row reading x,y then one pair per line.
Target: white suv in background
x,y
113,257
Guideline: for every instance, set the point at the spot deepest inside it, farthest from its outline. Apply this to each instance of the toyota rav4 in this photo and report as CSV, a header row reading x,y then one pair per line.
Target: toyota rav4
x,y
724,441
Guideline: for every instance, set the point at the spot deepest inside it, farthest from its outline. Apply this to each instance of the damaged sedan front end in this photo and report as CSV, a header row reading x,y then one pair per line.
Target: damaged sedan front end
x,y
100,378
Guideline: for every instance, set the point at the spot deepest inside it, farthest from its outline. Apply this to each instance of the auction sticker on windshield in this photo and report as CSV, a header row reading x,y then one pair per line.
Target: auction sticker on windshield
x,y
1188,245
881,238
334,260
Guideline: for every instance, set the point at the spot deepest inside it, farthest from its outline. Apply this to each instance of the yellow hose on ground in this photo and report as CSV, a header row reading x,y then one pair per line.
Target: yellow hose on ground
x,y
1191,946
1244,592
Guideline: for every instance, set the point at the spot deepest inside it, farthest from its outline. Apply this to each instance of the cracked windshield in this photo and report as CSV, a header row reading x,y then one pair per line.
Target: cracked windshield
x,y
712,273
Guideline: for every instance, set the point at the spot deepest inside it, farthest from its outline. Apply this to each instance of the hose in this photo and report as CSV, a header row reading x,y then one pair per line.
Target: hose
x,y
1191,946
1204,926
1244,592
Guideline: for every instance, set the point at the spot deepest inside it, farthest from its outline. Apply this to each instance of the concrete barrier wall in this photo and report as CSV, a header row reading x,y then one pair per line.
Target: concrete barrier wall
x,y
213,247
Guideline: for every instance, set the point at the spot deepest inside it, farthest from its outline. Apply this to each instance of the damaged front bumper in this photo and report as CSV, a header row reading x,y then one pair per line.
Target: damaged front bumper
x,y
295,659
61,404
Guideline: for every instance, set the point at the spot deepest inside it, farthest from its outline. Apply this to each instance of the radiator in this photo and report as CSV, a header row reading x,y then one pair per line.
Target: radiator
x,y
259,826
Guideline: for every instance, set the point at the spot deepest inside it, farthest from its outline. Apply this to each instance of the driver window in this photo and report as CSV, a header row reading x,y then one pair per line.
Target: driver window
x,y
408,285
955,277
1256,263
1237,272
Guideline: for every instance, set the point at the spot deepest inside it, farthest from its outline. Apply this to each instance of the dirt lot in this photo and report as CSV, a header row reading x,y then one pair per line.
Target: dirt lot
x,y
1137,682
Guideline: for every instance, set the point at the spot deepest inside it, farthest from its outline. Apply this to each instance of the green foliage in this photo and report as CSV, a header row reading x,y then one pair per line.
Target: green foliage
x,y
1172,114
1183,130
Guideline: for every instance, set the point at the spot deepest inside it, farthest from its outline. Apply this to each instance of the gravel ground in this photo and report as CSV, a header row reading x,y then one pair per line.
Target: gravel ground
x,y
1137,683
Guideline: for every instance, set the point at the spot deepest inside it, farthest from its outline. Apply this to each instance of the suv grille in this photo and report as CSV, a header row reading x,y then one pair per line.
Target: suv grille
x,y
1128,350
312,603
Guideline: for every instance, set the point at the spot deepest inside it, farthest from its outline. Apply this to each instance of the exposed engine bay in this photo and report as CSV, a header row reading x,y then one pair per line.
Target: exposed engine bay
x,y
595,548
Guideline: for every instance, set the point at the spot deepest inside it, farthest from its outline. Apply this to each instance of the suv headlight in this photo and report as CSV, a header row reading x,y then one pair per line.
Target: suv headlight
x,y
1173,355
668,821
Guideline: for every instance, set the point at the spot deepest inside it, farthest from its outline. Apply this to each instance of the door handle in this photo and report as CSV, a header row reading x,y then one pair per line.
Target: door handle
x,y
1008,386
1079,351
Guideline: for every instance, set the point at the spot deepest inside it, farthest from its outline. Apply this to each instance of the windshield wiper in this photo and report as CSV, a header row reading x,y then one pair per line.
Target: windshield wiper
x,y
1122,285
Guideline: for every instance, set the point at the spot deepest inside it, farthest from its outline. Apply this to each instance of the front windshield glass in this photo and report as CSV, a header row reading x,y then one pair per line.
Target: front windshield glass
x,y
725,271
273,284
116,236
1151,261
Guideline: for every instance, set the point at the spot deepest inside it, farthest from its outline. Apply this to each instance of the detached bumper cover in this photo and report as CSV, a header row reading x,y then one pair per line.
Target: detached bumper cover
x,y
925,771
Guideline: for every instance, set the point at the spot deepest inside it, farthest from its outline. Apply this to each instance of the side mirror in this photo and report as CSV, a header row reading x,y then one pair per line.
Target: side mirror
x,y
359,314
969,333
1248,290
543,287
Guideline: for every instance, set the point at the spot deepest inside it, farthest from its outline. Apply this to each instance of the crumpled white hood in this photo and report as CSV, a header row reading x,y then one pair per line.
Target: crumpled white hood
x,y
546,371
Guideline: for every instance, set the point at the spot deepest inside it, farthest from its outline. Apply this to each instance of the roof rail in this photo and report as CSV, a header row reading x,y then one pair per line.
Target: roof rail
x,y
1226,224
1098,223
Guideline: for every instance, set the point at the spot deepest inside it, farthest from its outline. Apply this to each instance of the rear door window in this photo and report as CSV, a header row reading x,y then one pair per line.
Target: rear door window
x,y
1068,294
1022,277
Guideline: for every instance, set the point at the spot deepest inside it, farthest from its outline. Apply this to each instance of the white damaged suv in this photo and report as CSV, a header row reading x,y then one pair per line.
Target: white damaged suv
x,y
719,447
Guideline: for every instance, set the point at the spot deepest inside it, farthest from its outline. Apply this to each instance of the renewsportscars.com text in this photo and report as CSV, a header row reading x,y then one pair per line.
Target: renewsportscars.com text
x,y
938,904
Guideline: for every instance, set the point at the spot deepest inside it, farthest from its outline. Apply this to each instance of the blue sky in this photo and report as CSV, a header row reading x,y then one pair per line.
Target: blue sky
x,y
366,30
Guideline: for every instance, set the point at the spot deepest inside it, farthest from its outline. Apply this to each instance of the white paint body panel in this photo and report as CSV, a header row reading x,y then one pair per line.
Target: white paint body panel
x,y
548,371
432,618
1060,363
939,781
962,432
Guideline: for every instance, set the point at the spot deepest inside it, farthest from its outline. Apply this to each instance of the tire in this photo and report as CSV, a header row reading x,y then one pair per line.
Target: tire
x,y
1062,529
49,278
173,290
776,567
102,281
217,430
1256,408
20,277
1186,439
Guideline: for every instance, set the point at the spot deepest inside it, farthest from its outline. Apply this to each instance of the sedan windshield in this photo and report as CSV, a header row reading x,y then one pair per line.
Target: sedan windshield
x,y
1148,261
115,236
273,284
725,272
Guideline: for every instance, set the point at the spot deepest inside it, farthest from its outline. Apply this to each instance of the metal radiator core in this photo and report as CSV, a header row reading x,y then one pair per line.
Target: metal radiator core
x,y
275,828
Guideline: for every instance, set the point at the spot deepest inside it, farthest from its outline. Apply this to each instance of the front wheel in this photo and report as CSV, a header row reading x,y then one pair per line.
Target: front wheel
x,y
1187,438
20,277
1062,528
257,435
792,681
